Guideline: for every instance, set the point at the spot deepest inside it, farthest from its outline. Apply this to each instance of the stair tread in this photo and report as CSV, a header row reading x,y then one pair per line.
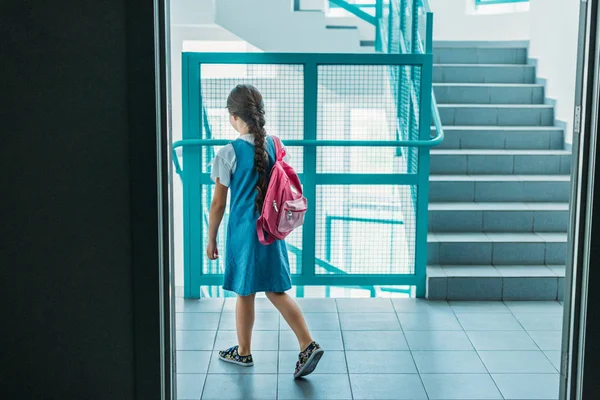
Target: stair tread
x,y
508,271
483,65
500,128
475,105
504,206
500,178
500,152
480,44
501,237
487,84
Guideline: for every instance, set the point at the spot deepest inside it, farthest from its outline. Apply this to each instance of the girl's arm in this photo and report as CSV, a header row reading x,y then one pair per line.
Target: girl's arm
x,y
217,210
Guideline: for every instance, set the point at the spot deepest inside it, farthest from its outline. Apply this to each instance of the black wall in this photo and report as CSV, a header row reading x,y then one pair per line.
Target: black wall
x,y
69,71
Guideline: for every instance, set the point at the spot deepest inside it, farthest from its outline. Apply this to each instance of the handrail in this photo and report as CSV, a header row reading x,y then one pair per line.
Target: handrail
x,y
317,143
322,143
437,120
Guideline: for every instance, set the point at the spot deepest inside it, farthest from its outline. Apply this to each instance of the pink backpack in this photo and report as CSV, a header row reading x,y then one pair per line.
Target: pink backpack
x,y
284,206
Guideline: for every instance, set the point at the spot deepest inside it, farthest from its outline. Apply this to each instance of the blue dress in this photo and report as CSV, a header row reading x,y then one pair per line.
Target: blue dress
x,y
251,267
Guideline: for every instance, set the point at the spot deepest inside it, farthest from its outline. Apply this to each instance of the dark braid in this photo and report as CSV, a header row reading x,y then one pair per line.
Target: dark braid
x,y
245,102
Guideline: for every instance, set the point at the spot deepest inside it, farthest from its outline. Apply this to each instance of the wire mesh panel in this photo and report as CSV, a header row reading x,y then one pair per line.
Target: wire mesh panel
x,y
359,102
362,224
282,88
365,229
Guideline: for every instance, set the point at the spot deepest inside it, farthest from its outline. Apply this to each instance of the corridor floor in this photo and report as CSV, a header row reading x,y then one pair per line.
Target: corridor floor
x,y
376,349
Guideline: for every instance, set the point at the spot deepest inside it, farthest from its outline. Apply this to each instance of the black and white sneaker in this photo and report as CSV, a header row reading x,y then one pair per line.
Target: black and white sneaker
x,y
308,360
231,355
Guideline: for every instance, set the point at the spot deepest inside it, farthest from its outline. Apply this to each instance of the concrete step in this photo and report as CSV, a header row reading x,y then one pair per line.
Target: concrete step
x,y
502,137
483,73
505,248
488,282
498,217
503,115
500,162
499,188
488,93
478,55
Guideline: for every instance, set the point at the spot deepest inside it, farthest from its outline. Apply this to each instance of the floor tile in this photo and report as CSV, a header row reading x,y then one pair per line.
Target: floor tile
x,y
329,340
479,307
189,386
194,340
240,387
528,386
364,305
192,362
380,362
554,357
375,340
489,322
460,386
317,321
448,362
261,340
429,322
263,321
524,362
265,362
540,322
438,340
387,387
547,307
198,305
547,340
332,362
507,340
369,322
197,321
315,386
317,305
260,305
420,305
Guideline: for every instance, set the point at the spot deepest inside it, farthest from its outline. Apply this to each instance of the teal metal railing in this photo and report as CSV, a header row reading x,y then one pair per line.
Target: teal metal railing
x,y
319,101
397,25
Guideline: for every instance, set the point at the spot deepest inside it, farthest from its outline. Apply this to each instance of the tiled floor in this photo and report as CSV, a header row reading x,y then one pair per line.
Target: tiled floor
x,y
377,349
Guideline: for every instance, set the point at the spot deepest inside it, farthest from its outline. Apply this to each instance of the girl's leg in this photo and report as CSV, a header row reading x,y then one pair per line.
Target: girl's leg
x,y
244,320
293,316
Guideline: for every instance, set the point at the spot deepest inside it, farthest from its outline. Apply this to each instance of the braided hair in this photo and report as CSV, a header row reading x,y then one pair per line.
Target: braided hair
x,y
245,102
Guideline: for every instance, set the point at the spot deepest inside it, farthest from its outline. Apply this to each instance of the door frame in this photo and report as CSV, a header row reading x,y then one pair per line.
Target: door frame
x,y
148,88
578,376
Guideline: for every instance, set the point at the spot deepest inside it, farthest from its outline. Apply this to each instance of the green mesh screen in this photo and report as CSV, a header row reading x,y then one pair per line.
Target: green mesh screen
x,y
360,103
365,229
293,241
282,87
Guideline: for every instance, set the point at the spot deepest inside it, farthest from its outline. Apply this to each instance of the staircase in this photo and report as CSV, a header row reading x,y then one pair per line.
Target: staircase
x,y
500,182
299,26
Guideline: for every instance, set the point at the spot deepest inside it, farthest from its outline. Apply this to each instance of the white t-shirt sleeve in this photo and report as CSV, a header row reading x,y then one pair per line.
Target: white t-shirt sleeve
x,y
287,153
223,165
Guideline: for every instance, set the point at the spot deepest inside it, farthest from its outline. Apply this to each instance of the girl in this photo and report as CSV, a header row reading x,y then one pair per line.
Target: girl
x,y
244,167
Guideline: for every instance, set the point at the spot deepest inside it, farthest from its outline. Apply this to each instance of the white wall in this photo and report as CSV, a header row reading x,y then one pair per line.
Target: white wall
x,y
554,28
458,20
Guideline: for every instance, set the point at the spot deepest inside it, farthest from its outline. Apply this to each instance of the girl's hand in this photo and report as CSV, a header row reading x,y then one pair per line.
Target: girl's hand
x,y
211,250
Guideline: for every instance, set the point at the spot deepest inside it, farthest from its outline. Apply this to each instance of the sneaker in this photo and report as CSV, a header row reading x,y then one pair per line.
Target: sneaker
x,y
308,360
231,355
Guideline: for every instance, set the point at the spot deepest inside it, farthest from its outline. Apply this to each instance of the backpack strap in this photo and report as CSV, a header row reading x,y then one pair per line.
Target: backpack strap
x,y
279,149
263,237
